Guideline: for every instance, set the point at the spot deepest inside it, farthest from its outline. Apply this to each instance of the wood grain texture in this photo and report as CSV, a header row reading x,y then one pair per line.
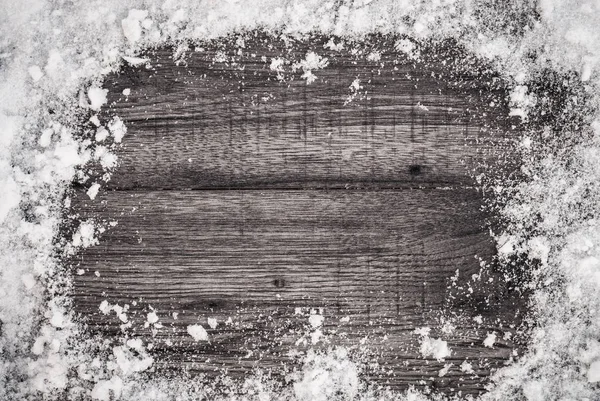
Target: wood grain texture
x,y
223,118
363,210
383,259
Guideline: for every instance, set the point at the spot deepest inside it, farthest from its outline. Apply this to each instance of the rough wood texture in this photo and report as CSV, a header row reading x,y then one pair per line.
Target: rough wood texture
x,y
383,259
206,124
365,210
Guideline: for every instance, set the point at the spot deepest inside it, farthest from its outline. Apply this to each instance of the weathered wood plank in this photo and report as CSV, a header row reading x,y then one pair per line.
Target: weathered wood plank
x,y
382,259
224,119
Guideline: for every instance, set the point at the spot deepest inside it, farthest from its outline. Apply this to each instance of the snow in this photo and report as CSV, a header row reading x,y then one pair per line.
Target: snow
x,y
152,317
593,373
197,332
212,323
93,191
434,347
490,340
311,62
54,55
97,97
101,134
35,73
327,376
466,367
104,307
316,320
132,26
135,61
107,390
85,235
117,129
28,280
444,371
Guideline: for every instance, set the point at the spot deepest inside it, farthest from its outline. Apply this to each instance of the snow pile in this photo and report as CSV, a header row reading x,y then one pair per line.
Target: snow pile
x,y
53,56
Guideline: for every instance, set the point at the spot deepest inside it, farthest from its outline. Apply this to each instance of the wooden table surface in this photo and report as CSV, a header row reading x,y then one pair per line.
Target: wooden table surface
x,y
246,195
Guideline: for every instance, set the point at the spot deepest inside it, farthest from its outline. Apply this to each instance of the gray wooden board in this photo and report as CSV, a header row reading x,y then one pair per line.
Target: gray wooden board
x,y
384,259
206,124
362,210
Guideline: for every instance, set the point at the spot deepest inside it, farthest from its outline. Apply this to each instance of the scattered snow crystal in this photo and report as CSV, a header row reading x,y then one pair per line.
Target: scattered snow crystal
x,y
132,27
35,72
436,348
593,373
93,190
152,317
490,340
316,320
197,332
97,97
78,42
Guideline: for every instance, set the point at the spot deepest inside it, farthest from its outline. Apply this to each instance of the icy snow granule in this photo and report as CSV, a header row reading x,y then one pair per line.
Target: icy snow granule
x,y
135,343
444,370
316,320
10,196
104,388
436,348
132,28
84,236
134,61
35,73
152,317
46,138
104,307
101,134
97,97
466,367
593,373
212,323
118,129
422,331
126,91
57,320
197,332
28,280
490,340
93,191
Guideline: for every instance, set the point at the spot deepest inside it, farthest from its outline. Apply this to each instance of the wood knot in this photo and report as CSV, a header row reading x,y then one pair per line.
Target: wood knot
x,y
415,169
279,282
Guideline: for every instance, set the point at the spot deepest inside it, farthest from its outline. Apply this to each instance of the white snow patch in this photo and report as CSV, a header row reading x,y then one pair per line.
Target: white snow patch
x,y
118,129
466,367
593,373
35,73
436,348
98,97
490,340
316,320
197,332
93,191
132,27
106,390
152,317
